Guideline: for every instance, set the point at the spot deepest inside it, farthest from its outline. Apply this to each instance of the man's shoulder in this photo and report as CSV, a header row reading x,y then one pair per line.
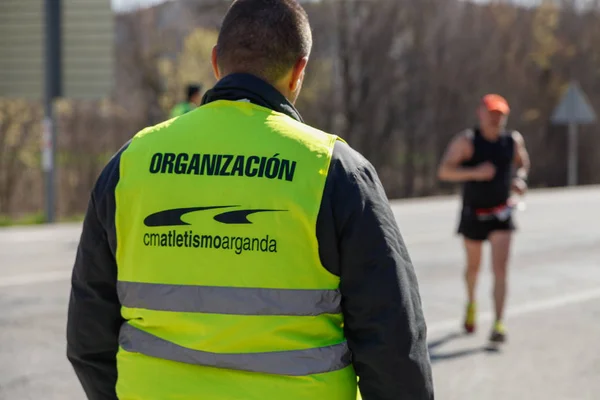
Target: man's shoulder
x,y
465,139
350,173
150,135
109,176
308,133
466,135
153,129
516,136
111,171
343,157
347,159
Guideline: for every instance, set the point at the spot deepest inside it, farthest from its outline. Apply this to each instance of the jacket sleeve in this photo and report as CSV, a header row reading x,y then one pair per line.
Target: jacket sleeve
x,y
94,317
384,321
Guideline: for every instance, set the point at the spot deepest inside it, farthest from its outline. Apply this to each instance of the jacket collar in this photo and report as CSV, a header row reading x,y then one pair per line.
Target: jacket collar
x,y
249,87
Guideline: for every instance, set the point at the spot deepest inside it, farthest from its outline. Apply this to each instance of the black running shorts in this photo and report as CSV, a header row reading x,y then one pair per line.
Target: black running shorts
x,y
472,228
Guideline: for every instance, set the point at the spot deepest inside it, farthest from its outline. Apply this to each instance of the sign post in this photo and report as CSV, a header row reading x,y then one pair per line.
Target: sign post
x,y
574,109
573,159
52,90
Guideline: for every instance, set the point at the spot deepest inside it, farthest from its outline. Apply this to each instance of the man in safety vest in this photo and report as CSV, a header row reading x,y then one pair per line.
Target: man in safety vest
x,y
237,253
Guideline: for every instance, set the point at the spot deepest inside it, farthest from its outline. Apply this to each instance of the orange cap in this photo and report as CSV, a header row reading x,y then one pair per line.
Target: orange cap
x,y
495,102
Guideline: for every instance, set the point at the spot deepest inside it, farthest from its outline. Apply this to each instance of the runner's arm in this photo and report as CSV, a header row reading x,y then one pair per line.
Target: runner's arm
x,y
459,150
522,161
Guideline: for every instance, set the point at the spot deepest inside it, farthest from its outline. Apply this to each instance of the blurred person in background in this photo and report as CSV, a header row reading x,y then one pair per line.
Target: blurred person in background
x,y
193,100
492,163
237,253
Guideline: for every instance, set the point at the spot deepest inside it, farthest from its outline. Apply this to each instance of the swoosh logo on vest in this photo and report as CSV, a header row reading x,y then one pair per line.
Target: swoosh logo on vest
x,y
173,216
239,216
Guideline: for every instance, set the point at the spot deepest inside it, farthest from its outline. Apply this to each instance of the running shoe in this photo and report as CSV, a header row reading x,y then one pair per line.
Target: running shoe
x,y
498,334
469,324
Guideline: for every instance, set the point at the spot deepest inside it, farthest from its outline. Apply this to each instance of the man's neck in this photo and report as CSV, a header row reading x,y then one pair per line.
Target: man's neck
x,y
251,88
491,136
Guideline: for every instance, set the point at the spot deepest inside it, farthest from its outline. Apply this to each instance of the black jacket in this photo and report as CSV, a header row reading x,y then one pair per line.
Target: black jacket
x,y
359,241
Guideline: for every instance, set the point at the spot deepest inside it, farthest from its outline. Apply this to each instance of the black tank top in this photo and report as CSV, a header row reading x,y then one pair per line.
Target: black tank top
x,y
492,193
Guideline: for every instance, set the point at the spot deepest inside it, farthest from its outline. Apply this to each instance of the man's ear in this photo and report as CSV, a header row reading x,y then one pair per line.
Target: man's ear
x,y
298,73
215,64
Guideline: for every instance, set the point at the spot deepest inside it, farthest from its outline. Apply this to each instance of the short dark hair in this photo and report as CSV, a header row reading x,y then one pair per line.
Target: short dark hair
x,y
263,37
192,90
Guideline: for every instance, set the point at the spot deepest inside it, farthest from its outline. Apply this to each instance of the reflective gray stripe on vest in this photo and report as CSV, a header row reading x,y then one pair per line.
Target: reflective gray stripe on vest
x,y
228,300
294,362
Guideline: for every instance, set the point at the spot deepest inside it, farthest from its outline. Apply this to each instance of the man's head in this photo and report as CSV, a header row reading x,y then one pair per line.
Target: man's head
x,y
270,39
193,94
493,113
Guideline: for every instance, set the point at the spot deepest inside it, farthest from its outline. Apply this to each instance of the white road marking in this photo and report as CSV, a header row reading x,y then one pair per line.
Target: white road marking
x,y
31,279
527,308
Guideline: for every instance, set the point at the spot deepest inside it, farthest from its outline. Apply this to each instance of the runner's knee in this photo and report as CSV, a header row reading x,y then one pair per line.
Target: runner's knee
x,y
500,271
472,268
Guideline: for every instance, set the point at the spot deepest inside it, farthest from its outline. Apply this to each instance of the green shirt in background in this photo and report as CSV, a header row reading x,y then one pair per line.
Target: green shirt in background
x,y
181,109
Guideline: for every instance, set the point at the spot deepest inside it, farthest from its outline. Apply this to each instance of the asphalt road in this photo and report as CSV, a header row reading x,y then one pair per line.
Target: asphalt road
x,y
553,318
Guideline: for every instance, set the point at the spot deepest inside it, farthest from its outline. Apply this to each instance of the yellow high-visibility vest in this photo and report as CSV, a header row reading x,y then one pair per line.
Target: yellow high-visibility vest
x,y
220,280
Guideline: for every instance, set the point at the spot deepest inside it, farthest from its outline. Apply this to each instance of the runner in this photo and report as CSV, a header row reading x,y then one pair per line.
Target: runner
x,y
492,162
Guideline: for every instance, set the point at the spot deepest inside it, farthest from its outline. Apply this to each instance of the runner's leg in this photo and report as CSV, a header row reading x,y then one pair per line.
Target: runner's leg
x,y
473,253
500,241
